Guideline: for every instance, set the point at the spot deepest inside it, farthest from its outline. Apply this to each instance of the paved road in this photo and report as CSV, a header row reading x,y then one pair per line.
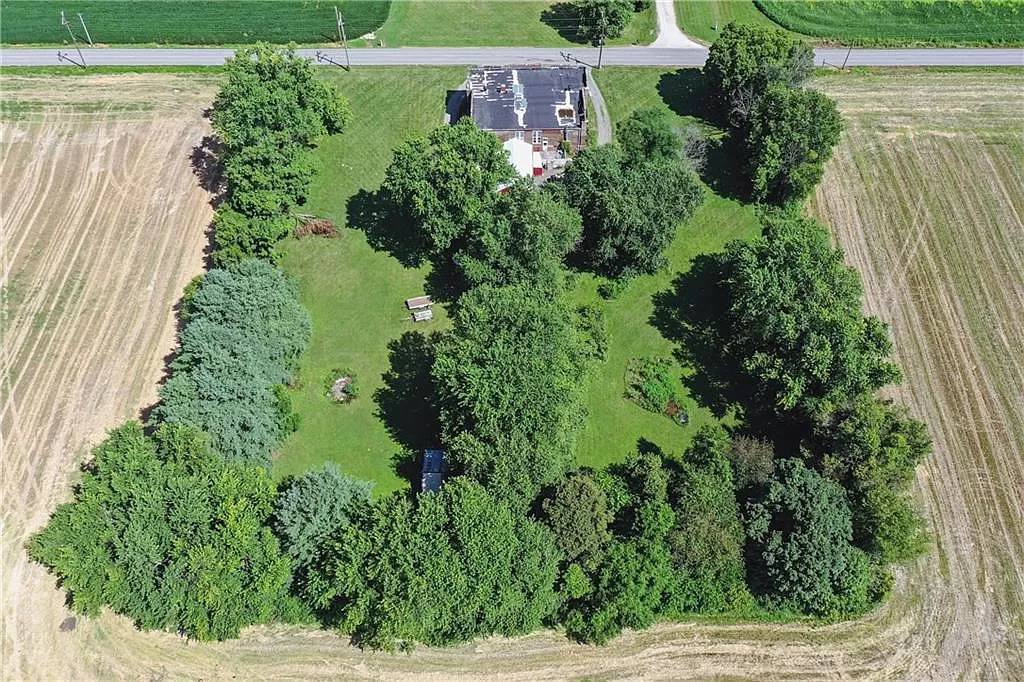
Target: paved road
x,y
621,56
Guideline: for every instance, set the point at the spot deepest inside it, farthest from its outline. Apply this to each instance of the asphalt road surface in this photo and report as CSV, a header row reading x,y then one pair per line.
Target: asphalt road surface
x,y
618,56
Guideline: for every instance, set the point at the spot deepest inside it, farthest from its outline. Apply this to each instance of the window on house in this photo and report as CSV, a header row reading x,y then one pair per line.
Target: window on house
x,y
519,134
536,136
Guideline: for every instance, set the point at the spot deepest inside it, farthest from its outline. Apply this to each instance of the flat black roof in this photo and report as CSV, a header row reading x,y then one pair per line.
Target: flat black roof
x,y
527,97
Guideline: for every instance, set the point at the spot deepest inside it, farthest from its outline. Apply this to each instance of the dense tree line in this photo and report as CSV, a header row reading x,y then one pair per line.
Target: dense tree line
x,y
173,526
755,76
167,533
244,333
268,116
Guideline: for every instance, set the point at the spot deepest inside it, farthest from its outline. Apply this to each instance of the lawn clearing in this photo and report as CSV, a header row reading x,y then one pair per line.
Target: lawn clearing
x,y
614,423
491,23
917,22
356,294
187,22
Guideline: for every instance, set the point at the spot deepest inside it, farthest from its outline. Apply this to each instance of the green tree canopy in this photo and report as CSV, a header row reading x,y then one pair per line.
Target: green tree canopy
x,y
577,513
522,240
163,531
244,332
648,134
268,115
630,210
313,507
794,324
603,18
792,133
456,565
447,182
800,552
508,380
872,449
748,58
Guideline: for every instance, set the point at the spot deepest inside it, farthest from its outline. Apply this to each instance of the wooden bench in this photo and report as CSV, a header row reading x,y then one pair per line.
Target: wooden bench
x,y
418,303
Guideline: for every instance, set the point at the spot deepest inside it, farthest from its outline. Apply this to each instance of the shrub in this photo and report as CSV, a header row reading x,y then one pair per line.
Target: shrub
x,y
651,383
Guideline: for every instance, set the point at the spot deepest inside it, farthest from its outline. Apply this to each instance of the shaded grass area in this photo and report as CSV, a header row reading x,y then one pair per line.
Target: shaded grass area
x,y
493,23
878,22
187,22
355,293
704,20
614,423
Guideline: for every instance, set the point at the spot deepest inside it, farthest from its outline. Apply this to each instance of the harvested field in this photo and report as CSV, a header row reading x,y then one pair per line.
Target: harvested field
x,y
924,195
103,224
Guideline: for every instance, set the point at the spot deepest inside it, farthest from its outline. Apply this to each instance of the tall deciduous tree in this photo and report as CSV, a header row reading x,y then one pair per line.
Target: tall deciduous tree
x,y
630,209
456,565
163,531
603,18
577,513
448,182
746,59
792,133
795,326
647,135
508,381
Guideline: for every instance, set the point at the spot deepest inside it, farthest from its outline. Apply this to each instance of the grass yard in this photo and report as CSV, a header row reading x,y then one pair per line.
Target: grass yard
x,y
188,22
493,23
354,293
704,20
885,22
614,423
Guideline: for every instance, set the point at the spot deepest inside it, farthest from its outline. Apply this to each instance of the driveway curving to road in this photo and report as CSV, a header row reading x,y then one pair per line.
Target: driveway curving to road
x,y
669,34
617,56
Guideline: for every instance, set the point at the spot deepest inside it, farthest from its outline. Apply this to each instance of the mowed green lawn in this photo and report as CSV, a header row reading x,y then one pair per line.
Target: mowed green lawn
x,y
704,20
187,22
493,23
354,293
615,424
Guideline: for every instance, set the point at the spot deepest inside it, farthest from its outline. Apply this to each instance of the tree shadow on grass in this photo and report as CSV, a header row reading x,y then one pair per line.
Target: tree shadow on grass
x,y
686,94
387,228
692,314
565,20
407,402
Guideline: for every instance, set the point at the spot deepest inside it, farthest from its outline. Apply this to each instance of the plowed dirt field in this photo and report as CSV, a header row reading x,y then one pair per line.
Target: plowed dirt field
x,y
925,195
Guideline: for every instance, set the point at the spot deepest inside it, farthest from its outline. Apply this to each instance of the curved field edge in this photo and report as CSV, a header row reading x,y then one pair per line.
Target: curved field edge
x,y
954,613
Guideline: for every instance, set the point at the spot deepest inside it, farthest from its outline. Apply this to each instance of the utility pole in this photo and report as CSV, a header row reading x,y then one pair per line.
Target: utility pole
x,y
84,28
74,41
600,44
342,37
843,67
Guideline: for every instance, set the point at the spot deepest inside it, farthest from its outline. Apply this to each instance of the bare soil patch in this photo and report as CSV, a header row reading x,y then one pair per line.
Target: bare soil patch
x,y
925,197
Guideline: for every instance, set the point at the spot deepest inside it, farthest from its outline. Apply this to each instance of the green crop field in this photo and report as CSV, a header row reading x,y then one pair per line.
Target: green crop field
x,y
355,293
884,22
187,22
487,23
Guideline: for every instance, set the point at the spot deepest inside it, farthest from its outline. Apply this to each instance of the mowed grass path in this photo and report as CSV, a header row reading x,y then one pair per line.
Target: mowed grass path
x,y
615,424
187,22
492,23
356,294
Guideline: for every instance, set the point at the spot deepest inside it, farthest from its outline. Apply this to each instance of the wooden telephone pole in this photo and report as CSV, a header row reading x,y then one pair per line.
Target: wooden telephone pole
x,y
342,37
